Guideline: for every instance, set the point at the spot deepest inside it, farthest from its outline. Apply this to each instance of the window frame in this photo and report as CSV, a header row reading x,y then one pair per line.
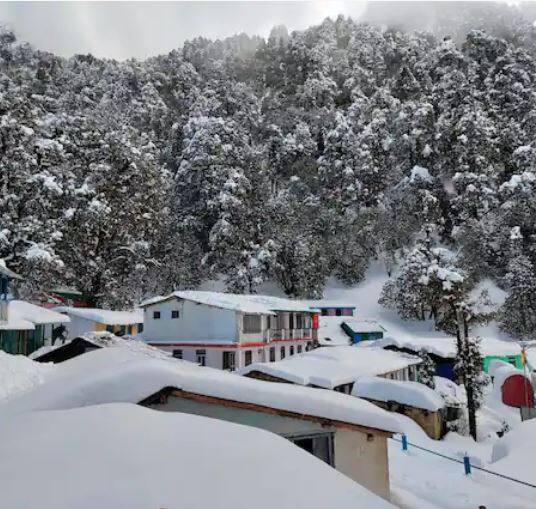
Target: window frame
x,y
175,314
157,315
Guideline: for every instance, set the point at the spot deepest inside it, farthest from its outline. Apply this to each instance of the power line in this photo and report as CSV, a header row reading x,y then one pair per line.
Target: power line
x,y
465,462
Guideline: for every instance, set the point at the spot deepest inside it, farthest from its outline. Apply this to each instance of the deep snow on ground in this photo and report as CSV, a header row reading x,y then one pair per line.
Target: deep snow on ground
x,y
124,456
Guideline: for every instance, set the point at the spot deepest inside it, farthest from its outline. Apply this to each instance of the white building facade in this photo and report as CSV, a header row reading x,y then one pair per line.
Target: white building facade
x,y
228,331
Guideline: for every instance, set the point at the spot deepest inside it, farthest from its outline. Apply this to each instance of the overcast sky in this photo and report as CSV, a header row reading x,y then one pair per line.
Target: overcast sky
x,y
140,29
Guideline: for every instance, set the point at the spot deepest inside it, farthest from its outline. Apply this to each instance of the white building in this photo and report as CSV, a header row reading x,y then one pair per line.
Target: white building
x,y
228,331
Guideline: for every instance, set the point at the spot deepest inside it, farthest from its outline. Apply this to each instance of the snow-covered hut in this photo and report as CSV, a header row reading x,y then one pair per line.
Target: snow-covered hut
x,y
83,320
336,368
415,400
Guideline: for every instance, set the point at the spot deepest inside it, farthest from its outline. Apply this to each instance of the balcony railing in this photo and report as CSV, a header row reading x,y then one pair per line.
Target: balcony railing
x,y
275,334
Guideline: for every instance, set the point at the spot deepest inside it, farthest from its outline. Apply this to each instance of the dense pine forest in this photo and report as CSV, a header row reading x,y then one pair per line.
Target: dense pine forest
x,y
291,159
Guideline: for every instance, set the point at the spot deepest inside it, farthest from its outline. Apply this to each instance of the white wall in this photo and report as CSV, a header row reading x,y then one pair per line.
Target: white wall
x,y
196,322
78,326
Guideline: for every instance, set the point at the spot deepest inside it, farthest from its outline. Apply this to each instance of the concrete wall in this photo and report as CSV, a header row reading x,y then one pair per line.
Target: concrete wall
x,y
196,322
360,456
364,459
79,326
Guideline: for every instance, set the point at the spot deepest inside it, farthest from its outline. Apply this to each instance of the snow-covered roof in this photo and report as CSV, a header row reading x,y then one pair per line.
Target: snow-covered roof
x,y
104,316
331,367
445,346
162,459
412,394
23,315
502,372
364,326
18,374
254,304
328,304
103,339
129,374
329,331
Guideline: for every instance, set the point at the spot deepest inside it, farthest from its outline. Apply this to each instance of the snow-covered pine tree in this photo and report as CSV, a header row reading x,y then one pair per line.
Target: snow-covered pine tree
x,y
426,370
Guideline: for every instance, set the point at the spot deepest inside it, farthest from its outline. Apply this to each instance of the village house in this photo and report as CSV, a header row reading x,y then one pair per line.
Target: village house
x,y
83,320
412,399
336,368
24,327
347,433
228,331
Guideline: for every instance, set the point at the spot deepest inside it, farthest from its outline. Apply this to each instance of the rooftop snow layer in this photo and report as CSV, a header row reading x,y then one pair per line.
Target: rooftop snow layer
x,y
331,367
104,316
330,332
412,394
445,346
23,315
130,374
134,457
18,373
364,326
255,304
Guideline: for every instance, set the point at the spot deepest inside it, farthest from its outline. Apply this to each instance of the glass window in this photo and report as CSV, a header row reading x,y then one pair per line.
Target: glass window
x,y
140,328
299,321
247,357
251,323
320,445
291,349
282,352
177,354
300,349
175,313
156,315
272,354
201,357
229,360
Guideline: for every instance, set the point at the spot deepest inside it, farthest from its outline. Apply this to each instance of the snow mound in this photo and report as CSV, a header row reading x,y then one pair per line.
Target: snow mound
x,y
130,456
514,453
19,374
406,393
104,316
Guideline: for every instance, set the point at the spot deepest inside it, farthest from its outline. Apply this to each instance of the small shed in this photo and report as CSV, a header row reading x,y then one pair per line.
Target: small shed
x,y
412,399
362,330
516,389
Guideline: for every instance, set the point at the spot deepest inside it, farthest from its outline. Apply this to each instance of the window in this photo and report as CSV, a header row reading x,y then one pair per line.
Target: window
x,y
201,357
299,321
300,349
247,358
156,315
110,328
229,361
291,320
251,323
177,354
129,329
140,328
282,352
174,313
324,312
320,445
291,349
338,312
272,354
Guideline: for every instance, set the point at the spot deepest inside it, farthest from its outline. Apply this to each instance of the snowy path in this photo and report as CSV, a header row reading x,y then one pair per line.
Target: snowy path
x,y
420,480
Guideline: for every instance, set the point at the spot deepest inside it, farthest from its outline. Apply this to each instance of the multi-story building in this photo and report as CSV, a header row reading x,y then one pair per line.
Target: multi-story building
x,y
228,331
